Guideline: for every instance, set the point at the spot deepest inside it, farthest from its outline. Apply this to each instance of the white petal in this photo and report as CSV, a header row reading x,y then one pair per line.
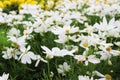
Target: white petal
x,y
32,55
94,60
98,74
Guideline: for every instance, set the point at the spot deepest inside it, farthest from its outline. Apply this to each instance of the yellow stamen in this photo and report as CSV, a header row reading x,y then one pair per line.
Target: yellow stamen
x,y
97,0
67,30
108,48
107,76
87,30
85,44
12,51
105,1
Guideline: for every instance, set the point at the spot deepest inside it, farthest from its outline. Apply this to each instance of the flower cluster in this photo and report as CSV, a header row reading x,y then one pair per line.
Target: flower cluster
x,y
79,32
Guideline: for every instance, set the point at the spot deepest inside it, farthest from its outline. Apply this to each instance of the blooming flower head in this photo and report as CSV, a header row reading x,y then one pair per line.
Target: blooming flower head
x,y
65,30
57,52
4,76
11,52
87,58
63,69
103,77
26,55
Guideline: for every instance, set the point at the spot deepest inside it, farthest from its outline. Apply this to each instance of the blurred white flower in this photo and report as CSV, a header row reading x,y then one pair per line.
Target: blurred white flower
x,y
107,51
62,39
4,76
18,42
27,32
11,53
107,29
63,69
66,29
56,52
26,55
87,58
13,32
103,77
75,38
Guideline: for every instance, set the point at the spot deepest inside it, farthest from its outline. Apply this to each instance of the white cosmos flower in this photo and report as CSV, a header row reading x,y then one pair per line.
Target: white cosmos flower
x,y
87,58
55,51
62,39
30,9
108,49
65,30
63,69
27,32
26,55
18,42
75,38
107,29
103,77
13,32
4,76
11,53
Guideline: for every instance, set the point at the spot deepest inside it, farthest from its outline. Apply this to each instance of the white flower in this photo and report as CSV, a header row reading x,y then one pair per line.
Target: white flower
x,y
56,52
65,30
75,38
62,39
18,42
108,29
4,76
107,51
13,32
85,58
11,52
103,77
27,55
30,9
84,78
91,40
63,69
27,32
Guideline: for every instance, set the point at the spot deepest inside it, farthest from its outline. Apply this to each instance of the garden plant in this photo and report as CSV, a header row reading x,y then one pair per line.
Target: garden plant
x,y
59,39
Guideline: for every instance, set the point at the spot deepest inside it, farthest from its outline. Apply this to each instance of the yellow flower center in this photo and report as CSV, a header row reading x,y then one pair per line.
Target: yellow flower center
x,y
67,30
87,30
107,76
87,1
108,48
25,52
85,44
97,0
25,33
12,51
105,1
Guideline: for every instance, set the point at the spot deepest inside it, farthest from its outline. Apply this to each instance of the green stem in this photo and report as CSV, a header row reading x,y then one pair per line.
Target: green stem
x,y
48,67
